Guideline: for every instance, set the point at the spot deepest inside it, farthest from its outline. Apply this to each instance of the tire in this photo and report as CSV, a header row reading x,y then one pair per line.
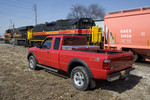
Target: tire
x,y
80,78
32,63
135,55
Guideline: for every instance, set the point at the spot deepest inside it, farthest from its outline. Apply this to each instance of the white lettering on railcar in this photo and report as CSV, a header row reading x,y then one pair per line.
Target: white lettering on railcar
x,y
125,40
126,35
125,31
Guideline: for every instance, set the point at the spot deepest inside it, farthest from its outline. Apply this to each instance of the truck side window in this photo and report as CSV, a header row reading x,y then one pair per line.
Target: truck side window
x,y
47,43
56,43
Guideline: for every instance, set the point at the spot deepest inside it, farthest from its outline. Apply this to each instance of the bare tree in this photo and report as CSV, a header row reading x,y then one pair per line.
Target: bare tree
x,y
92,11
77,11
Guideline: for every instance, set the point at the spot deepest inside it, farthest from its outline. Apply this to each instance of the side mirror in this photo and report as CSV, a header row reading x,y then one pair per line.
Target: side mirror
x,y
38,45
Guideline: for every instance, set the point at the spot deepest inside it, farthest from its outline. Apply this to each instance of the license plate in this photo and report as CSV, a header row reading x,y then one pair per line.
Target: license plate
x,y
123,73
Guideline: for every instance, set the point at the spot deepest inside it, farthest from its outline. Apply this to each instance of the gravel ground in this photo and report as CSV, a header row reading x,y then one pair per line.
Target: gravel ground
x,y
18,82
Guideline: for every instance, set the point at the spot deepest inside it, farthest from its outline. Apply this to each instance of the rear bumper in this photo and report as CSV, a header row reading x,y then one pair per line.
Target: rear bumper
x,y
118,75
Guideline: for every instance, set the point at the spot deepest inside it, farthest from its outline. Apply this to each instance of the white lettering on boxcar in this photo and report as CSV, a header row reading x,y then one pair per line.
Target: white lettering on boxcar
x,y
125,31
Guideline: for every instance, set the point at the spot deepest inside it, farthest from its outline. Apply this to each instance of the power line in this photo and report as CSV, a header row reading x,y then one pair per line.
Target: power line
x,y
20,3
11,9
15,15
25,2
14,5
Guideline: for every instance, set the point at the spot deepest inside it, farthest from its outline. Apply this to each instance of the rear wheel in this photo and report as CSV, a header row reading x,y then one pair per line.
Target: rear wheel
x,y
135,55
80,78
32,63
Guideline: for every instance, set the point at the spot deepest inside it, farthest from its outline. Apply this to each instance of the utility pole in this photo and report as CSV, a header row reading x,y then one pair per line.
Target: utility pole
x,y
14,34
35,9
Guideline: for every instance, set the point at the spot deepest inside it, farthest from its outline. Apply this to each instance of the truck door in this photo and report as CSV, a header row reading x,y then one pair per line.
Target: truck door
x,y
43,53
55,53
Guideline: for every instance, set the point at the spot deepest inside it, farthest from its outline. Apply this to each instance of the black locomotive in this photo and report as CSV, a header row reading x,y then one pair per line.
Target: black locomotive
x,y
30,35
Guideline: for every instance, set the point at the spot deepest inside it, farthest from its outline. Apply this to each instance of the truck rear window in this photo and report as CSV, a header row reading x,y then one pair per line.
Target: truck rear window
x,y
74,41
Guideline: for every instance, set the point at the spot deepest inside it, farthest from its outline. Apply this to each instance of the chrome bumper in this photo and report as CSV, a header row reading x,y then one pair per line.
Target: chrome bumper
x,y
118,75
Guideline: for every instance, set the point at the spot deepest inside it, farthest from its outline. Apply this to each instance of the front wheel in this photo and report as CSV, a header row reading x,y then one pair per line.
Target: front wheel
x,y
32,63
80,78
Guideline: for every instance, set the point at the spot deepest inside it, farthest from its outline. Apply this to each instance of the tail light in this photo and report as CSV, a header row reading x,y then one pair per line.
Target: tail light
x,y
106,64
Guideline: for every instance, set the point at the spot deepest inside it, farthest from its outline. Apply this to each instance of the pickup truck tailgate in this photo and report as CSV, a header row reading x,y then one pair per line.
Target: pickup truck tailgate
x,y
121,61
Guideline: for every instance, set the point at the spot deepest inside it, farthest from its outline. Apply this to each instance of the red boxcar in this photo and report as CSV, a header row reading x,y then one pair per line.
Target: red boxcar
x,y
129,30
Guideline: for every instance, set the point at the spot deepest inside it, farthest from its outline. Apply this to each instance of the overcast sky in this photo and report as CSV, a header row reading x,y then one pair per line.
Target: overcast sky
x,y
21,12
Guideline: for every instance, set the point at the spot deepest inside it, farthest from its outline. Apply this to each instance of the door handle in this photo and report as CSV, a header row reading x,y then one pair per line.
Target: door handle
x,y
47,51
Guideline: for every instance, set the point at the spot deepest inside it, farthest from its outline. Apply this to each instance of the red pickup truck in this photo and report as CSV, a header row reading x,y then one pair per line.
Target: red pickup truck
x,y
84,63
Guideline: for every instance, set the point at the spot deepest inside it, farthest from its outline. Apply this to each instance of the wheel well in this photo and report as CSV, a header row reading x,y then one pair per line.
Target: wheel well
x,y
73,65
79,62
30,54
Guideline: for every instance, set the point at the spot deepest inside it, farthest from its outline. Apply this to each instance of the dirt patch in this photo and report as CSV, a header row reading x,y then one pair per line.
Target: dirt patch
x,y
17,81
